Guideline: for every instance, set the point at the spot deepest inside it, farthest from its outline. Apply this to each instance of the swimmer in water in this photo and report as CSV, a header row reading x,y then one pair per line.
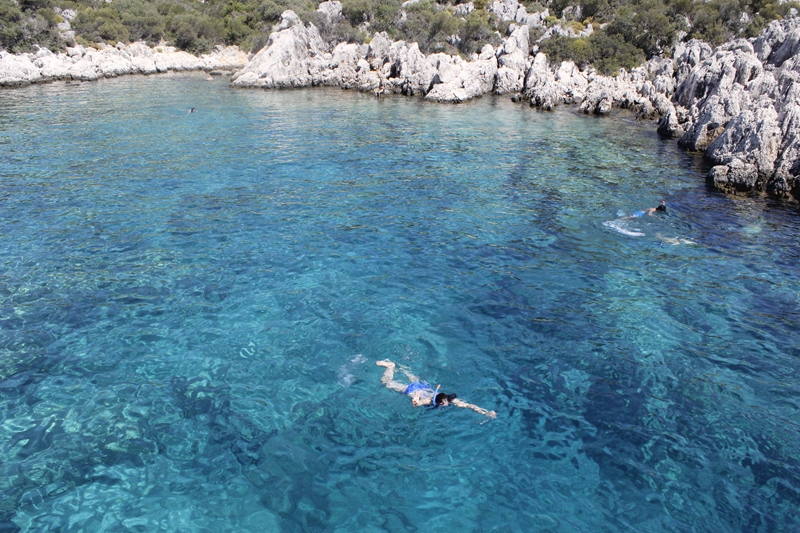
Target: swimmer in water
x,y
423,394
662,208
674,241
192,110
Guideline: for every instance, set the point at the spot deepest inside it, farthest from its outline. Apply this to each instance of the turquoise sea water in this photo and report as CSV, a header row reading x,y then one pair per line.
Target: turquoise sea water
x,y
191,307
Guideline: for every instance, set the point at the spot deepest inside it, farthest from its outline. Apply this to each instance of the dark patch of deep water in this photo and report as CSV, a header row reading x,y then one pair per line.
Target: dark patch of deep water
x,y
191,306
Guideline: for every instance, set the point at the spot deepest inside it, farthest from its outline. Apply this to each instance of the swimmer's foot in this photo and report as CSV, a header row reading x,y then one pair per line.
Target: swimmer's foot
x,y
386,363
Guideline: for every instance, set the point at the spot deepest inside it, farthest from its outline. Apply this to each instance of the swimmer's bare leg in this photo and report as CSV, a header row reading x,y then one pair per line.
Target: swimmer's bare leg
x,y
388,376
411,377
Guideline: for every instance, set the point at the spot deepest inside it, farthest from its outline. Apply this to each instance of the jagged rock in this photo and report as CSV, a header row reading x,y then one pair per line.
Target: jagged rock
x,y
786,180
787,49
52,67
574,82
669,125
739,103
18,70
643,90
462,10
752,137
410,70
687,56
379,49
332,9
540,85
286,60
476,78
221,58
736,176
772,38
512,61
112,64
512,10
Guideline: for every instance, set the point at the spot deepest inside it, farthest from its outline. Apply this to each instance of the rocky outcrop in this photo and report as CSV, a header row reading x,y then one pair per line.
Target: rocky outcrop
x,y
512,61
473,79
87,64
296,56
287,59
513,11
645,90
740,104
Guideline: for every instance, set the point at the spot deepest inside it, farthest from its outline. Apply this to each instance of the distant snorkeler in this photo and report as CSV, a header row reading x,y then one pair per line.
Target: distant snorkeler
x,y
661,208
422,393
674,241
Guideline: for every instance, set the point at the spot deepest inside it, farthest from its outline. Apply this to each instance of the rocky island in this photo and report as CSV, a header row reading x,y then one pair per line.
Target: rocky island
x,y
738,103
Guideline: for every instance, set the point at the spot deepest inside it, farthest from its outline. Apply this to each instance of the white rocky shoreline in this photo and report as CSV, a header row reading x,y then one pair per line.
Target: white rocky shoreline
x,y
738,103
89,64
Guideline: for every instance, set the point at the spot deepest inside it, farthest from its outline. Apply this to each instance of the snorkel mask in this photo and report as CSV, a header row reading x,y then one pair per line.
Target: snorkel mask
x,y
435,394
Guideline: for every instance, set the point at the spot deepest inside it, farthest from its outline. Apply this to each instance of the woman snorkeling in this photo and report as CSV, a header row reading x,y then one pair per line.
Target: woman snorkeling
x,y
423,394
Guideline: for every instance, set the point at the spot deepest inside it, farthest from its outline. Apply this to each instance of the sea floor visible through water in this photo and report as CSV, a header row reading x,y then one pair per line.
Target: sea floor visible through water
x,y
192,305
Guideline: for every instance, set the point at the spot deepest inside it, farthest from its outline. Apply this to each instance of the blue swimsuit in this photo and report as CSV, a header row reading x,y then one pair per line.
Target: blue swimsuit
x,y
414,387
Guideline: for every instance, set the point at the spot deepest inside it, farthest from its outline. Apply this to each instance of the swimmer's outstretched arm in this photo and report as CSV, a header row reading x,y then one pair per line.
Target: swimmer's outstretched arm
x,y
481,410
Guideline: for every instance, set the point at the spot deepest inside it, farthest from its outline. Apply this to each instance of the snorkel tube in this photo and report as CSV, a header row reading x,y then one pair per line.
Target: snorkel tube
x,y
433,401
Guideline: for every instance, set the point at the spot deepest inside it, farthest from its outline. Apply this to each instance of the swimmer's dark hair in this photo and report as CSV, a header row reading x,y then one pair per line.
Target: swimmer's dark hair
x,y
441,397
662,207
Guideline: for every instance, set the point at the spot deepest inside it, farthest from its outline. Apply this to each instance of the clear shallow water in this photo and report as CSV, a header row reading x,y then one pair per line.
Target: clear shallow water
x,y
191,306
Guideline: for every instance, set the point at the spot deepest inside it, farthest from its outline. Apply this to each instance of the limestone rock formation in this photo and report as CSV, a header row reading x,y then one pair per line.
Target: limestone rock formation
x,y
287,59
512,61
88,64
476,78
739,104
513,11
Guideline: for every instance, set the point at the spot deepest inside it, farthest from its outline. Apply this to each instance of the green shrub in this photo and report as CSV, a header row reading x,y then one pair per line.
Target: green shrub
x,y
429,27
597,9
270,10
167,9
533,6
34,5
100,25
27,24
574,25
559,48
358,11
236,29
611,52
608,53
647,27
141,19
196,33
336,31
